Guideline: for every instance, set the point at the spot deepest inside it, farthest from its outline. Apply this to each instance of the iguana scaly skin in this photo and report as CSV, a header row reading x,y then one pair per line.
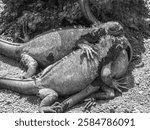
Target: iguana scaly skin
x,y
73,74
51,46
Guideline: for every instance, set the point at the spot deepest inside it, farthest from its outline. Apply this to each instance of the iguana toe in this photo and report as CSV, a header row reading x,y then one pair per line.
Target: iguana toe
x,y
46,110
55,108
117,84
88,50
89,104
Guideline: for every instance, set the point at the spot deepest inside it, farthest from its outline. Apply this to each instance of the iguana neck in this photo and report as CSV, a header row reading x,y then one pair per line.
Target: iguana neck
x,y
8,49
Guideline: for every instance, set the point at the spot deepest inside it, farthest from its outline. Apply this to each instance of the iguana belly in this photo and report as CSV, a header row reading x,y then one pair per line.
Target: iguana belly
x,y
51,47
72,74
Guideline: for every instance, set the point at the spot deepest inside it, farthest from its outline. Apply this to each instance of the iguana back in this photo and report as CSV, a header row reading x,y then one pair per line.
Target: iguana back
x,y
44,49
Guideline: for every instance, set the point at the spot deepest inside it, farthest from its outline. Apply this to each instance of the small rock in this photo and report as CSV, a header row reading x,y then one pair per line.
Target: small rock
x,y
140,65
140,92
112,111
136,110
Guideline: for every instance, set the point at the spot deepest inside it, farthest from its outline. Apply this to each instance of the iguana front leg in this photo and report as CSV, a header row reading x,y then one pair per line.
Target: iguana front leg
x,y
48,97
71,101
88,49
30,63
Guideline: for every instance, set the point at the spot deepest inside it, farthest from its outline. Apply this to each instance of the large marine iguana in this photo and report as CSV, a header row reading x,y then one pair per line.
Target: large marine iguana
x,y
51,46
74,73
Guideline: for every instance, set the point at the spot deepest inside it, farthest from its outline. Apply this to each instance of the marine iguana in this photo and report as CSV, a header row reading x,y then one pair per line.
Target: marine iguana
x,y
74,74
51,46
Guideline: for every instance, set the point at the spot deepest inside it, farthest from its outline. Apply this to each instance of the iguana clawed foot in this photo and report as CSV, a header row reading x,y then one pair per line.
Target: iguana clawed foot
x,y
55,108
90,52
120,83
89,104
31,65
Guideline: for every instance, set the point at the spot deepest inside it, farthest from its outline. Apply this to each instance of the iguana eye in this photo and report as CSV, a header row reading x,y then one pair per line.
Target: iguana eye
x,y
114,28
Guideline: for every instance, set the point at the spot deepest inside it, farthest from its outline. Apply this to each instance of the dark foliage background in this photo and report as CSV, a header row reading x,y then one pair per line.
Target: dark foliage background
x,y
37,16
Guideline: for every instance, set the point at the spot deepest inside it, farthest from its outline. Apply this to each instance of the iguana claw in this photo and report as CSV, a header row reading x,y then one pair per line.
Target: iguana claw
x,y
55,108
88,50
117,84
89,104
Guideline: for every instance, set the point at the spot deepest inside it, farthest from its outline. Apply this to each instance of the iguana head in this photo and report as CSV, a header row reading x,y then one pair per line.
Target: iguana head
x,y
99,30
109,28
112,73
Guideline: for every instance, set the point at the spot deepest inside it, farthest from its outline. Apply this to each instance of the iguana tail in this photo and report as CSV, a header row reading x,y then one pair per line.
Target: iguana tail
x,y
84,6
21,86
8,49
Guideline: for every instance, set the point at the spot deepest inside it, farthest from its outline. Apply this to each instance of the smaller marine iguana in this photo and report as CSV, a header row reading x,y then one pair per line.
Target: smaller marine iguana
x,y
74,73
50,47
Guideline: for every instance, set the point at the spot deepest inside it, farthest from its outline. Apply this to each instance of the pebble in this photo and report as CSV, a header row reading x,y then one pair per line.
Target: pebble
x,y
140,92
136,110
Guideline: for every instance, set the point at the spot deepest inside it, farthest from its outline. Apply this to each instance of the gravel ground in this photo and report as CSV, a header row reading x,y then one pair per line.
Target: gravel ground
x,y
135,100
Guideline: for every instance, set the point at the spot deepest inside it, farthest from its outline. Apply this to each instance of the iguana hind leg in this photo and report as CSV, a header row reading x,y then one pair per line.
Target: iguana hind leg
x,y
71,101
30,63
108,93
48,97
